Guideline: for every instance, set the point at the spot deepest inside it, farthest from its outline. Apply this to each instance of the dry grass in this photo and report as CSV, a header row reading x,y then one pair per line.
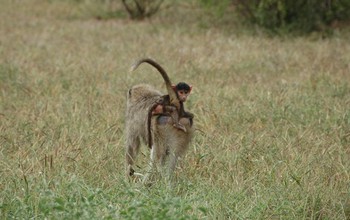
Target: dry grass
x,y
273,118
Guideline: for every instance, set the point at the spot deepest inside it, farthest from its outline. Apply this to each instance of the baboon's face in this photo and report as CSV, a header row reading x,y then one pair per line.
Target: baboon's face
x,y
183,94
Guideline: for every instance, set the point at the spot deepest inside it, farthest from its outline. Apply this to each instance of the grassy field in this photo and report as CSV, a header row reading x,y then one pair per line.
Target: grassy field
x,y
272,117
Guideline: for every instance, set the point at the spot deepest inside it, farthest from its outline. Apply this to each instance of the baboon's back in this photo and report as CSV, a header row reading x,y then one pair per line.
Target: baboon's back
x,y
140,99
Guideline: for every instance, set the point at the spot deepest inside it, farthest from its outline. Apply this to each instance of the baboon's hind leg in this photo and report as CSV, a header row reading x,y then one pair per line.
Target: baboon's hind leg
x,y
132,149
156,164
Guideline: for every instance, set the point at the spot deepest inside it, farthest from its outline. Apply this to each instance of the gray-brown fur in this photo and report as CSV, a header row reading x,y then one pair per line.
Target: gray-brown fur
x,y
139,100
168,142
172,105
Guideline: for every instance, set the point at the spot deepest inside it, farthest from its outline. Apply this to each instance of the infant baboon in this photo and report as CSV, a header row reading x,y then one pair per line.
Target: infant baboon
x,y
169,142
164,107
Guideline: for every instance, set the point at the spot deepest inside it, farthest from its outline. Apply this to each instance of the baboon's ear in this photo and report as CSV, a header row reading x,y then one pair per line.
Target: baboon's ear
x,y
173,87
190,89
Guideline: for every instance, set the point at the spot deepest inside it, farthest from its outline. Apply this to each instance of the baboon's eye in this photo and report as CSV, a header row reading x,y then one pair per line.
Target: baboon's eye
x,y
183,92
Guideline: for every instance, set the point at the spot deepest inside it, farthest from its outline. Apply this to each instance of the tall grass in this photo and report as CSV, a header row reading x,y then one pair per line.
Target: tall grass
x,y
272,118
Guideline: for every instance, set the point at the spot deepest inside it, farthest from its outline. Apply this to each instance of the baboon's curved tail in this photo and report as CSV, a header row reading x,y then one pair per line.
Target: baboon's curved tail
x,y
173,97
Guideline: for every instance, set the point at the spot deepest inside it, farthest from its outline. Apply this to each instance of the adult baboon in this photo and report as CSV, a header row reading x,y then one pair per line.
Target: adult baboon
x,y
169,143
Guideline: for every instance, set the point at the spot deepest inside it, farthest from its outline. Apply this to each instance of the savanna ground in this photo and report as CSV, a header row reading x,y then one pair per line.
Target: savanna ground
x,y
272,117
